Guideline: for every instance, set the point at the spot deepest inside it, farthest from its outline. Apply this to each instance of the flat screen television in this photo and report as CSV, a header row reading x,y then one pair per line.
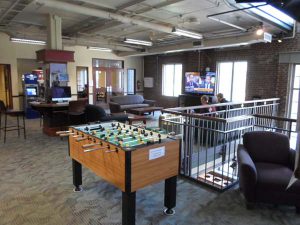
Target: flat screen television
x,y
61,94
31,91
200,84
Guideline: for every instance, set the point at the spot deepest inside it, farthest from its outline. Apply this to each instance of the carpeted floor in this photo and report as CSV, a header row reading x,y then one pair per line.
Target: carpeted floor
x,y
36,188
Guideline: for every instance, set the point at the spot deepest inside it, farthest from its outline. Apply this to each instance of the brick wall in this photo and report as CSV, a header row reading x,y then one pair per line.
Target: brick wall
x,y
265,76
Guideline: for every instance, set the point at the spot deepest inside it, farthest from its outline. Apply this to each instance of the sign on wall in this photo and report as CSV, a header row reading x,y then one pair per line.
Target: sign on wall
x,y
148,82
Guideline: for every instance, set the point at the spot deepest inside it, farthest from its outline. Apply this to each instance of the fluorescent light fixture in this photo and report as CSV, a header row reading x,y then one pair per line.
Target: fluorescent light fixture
x,y
187,33
137,42
99,49
27,41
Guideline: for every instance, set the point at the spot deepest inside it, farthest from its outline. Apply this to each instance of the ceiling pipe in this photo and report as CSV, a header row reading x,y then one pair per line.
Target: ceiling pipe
x,y
102,14
206,44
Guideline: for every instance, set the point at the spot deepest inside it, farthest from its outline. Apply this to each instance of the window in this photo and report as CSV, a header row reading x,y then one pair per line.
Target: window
x,y
232,80
131,81
294,99
271,13
172,79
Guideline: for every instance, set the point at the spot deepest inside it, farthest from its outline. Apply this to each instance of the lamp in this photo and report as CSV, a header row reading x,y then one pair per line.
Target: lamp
x,y
137,42
186,33
27,41
259,31
99,49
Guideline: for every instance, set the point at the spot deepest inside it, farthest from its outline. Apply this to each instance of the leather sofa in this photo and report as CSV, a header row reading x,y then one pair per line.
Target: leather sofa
x,y
95,113
266,164
123,103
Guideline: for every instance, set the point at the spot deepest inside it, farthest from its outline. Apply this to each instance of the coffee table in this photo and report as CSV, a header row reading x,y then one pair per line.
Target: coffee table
x,y
133,117
141,111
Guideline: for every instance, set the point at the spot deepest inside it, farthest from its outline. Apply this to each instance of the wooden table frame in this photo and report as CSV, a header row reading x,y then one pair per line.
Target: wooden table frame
x,y
141,111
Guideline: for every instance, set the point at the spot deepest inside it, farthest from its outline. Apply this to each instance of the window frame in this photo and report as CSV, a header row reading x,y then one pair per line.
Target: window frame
x,y
232,76
163,69
292,72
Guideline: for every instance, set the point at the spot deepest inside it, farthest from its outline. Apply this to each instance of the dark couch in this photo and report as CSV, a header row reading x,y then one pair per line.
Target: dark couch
x,y
96,113
123,103
266,165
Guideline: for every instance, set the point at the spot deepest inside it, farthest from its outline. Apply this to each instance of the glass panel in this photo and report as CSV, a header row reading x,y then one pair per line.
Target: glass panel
x,y
177,80
224,79
107,63
294,108
100,78
271,13
239,81
130,81
115,81
297,77
81,78
168,80
275,13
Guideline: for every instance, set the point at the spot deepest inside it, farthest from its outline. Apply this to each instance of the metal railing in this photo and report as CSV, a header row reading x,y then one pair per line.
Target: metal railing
x,y
210,137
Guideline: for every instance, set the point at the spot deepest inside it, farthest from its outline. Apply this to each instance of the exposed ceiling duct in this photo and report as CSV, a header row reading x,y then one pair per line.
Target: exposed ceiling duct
x,y
204,44
102,14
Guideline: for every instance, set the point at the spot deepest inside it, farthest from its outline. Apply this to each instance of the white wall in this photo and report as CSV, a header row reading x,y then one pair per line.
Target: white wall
x,y
10,52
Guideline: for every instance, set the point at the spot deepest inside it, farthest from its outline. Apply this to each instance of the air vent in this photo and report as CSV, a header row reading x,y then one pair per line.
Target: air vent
x,y
197,43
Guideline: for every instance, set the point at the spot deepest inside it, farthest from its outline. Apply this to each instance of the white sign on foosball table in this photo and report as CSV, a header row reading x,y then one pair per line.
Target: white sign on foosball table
x,y
155,153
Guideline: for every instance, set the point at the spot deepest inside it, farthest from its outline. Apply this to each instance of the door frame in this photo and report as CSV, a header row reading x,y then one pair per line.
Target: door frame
x,y
108,71
8,86
87,80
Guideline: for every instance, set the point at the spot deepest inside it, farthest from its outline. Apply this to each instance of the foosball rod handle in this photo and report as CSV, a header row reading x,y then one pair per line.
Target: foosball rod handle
x,y
94,149
66,134
90,145
81,139
62,131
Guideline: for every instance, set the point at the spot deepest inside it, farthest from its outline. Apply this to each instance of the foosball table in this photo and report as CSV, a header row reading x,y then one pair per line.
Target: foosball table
x,y
128,157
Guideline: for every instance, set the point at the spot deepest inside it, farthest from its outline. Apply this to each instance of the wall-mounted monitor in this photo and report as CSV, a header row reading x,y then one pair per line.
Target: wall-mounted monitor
x,y
31,91
60,94
200,84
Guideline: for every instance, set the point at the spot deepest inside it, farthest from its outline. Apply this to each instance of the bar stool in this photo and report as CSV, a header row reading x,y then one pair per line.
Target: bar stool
x,y
13,113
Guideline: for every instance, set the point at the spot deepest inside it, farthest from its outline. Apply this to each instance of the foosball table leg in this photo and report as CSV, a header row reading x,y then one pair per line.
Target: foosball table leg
x,y
77,175
128,208
170,195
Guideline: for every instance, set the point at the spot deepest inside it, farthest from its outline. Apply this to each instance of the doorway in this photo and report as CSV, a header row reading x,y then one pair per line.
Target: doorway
x,y
82,82
108,81
5,85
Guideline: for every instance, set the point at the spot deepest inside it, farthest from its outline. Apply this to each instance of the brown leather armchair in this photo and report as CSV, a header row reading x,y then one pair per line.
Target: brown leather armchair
x,y
266,163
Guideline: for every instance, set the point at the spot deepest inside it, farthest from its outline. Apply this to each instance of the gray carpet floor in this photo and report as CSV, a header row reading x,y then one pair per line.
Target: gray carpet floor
x,y
36,188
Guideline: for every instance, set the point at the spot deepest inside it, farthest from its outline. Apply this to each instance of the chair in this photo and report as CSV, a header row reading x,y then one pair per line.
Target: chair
x,y
101,94
266,163
12,113
76,111
96,113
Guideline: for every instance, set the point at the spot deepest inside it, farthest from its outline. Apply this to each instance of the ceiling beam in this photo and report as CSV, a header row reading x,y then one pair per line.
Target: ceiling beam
x,y
158,6
106,23
103,14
